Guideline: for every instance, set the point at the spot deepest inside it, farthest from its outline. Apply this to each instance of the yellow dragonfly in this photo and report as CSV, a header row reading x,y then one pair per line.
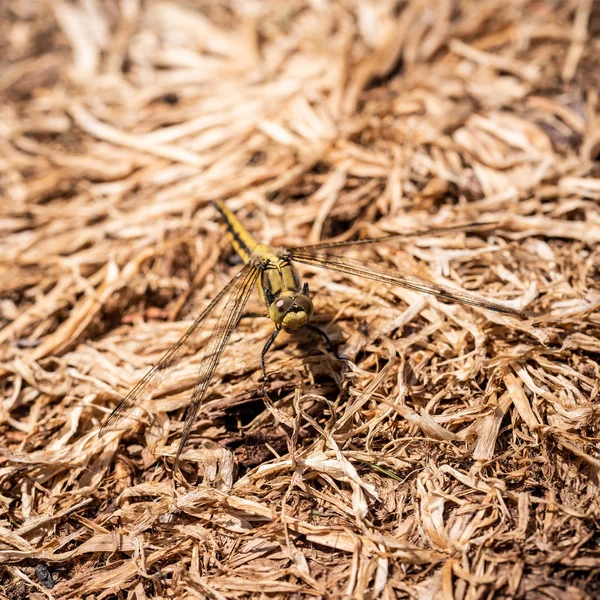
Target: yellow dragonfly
x,y
287,302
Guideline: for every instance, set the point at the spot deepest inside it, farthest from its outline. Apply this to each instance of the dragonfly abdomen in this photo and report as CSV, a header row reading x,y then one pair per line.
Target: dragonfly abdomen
x,y
241,239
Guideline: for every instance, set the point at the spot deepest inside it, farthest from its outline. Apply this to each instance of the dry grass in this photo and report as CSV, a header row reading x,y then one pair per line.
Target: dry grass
x,y
457,456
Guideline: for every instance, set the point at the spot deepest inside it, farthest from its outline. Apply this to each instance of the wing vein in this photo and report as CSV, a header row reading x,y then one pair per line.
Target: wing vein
x,y
214,348
154,377
366,270
394,236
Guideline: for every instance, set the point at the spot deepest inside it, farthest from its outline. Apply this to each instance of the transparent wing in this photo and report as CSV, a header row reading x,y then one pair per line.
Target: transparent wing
x,y
395,236
236,288
373,271
215,345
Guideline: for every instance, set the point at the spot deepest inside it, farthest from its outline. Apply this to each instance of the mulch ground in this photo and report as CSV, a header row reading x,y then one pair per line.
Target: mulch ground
x,y
455,455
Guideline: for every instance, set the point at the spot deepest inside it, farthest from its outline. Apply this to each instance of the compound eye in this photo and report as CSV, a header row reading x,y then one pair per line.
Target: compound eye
x,y
305,303
283,305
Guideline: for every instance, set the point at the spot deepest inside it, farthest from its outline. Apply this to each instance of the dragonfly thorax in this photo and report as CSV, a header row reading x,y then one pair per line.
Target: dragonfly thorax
x,y
291,312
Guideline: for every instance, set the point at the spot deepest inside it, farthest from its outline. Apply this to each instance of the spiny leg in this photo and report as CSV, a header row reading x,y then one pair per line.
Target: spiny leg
x,y
252,315
262,357
330,345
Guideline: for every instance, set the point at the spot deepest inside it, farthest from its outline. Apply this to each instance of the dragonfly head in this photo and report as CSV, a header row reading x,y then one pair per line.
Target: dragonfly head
x,y
291,312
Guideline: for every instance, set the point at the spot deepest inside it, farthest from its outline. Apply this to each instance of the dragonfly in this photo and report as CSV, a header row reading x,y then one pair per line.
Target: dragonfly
x,y
287,302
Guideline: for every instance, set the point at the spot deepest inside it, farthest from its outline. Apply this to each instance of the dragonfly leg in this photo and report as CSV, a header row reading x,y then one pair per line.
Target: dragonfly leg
x,y
253,315
330,345
262,357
